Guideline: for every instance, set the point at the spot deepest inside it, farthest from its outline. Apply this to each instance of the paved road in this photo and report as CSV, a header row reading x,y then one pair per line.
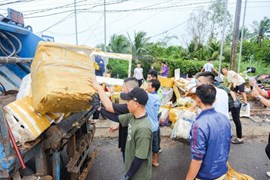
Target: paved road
x,y
248,158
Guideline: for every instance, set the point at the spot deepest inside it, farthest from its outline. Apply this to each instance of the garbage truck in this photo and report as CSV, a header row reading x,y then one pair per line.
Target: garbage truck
x,y
63,149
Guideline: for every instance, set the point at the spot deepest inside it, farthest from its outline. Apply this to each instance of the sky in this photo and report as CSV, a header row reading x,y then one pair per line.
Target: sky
x,y
158,18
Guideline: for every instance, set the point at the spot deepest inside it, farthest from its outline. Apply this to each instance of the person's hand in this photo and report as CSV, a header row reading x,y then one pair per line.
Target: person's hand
x,y
96,101
114,128
255,93
236,104
93,81
125,177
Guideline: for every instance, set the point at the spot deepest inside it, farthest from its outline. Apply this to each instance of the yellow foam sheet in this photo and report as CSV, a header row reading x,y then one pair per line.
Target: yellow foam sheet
x,y
60,74
26,125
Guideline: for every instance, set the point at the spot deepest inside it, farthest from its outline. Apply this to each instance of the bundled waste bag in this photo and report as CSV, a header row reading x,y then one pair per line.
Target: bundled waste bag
x,y
59,74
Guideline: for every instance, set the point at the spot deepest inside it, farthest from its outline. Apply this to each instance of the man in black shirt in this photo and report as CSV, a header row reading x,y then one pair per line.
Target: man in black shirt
x,y
129,84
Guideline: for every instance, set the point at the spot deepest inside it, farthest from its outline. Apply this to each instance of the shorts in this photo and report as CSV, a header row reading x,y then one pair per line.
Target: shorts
x,y
240,88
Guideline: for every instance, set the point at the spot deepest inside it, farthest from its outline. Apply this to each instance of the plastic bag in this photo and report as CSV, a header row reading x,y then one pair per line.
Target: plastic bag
x,y
25,87
183,125
245,110
167,94
164,115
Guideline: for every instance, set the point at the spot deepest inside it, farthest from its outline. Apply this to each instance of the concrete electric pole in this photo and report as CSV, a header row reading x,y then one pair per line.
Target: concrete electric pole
x,y
105,26
75,14
235,34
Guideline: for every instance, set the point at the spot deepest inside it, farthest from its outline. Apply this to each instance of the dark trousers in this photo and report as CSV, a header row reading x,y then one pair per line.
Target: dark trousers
x,y
236,119
155,145
159,139
140,81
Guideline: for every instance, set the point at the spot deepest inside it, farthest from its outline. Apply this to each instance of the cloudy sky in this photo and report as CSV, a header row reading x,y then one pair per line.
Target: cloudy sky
x,y
159,18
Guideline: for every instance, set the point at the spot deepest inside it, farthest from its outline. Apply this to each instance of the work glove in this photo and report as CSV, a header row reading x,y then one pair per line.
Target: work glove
x,y
96,101
236,104
125,177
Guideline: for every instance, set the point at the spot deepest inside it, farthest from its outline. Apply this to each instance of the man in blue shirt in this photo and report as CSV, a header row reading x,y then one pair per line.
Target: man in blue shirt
x,y
210,138
152,109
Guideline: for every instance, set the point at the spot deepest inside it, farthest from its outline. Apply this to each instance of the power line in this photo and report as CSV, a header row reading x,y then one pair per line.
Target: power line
x,y
145,19
169,29
18,1
97,5
96,24
58,22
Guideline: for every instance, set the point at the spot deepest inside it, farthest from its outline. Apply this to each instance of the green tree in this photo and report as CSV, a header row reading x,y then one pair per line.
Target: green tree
x,y
139,46
119,44
260,28
213,49
205,25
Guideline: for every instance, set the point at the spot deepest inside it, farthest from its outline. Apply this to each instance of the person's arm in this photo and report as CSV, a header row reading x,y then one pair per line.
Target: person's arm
x,y
236,103
253,83
108,115
198,150
215,71
134,72
262,92
255,93
194,168
202,69
135,165
114,128
107,103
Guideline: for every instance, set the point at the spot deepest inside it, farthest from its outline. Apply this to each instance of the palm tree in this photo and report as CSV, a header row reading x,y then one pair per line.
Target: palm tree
x,y
246,34
119,44
213,49
139,45
260,29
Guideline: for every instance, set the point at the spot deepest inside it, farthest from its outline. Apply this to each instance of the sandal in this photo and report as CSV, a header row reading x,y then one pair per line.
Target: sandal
x,y
237,141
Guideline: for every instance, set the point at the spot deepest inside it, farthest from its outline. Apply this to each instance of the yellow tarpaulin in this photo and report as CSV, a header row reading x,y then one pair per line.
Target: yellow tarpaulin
x,y
25,123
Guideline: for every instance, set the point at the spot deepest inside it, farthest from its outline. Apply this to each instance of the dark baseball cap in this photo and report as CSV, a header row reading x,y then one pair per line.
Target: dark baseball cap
x,y
137,94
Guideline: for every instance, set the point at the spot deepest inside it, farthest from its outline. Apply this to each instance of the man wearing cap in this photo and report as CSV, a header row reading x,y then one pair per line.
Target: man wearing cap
x,y
129,84
138,153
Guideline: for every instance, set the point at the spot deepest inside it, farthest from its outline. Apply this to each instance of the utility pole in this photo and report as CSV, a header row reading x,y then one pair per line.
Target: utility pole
x,y
76,31
235,34
223,34
242,35
105,26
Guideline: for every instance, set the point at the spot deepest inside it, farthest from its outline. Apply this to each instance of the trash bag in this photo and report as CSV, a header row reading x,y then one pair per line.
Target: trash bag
x,y
245,110
164,115
167,94
183,124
